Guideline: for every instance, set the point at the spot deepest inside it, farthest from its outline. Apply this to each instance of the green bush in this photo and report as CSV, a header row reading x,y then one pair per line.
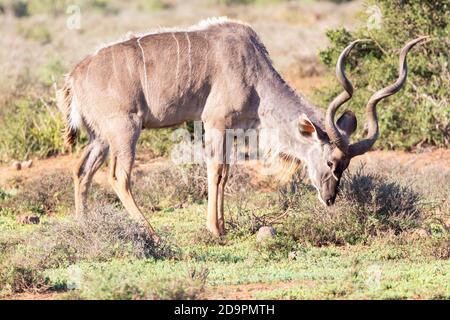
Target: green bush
x,y
48,6
39,33
419,114
158,141
154,5
30,128
50,72
369,205
20,8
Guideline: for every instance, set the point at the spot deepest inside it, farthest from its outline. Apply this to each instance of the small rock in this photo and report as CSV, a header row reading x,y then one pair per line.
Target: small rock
x,y
28,219
27,164
265,233
16,165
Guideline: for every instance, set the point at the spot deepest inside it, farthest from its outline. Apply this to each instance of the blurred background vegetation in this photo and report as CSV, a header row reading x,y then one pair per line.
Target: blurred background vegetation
x,y
420,114
37,49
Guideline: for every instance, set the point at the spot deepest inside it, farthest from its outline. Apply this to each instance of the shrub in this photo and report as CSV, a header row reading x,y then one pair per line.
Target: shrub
x,y
18,279
367,206
104,233
51,71
170,187
419,114
278,248
19,8
44,195
30,128
39,33
395,206
248,212
158,141
3,194
53,7
154,5
103,6
177,186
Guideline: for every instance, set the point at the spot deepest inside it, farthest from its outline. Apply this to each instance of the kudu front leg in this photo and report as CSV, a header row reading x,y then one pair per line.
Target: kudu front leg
x,y
217,176
220,198
214,178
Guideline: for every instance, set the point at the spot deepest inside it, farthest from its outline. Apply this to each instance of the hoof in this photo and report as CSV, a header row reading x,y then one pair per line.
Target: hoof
x,y
214,231
156,239
222,228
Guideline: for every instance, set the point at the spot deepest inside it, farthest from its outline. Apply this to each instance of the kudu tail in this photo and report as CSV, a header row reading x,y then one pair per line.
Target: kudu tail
x,y
70,112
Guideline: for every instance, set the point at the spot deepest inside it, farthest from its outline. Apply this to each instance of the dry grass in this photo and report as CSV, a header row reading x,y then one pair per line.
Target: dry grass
x,y
171,186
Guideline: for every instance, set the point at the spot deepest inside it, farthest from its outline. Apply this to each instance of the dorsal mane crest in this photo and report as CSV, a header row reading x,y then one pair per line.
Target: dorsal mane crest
x,y
202,25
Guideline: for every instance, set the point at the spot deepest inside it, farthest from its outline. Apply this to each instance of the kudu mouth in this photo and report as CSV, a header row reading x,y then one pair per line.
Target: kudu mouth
x,y
328,201
336,138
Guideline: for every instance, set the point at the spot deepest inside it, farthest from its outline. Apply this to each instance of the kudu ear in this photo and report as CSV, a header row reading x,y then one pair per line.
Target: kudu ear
x,y
347,123
308,129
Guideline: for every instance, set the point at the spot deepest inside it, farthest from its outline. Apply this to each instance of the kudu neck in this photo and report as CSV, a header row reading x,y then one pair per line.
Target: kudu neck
x,y
280,104
280,110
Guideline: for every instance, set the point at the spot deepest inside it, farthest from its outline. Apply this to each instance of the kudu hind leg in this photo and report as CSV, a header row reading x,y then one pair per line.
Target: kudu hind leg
x,y
123,148
93,157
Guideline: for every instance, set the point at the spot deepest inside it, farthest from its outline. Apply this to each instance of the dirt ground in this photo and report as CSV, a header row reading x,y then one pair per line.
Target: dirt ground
x,y
437,158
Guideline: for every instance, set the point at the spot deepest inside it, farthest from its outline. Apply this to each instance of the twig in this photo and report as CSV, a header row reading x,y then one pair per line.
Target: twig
x,y
276,219
378,45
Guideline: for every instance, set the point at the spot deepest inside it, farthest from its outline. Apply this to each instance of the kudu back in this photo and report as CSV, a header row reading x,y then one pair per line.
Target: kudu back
x,y
218,72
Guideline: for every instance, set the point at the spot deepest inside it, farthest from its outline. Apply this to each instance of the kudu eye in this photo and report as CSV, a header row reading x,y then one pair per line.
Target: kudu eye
x,y
330,164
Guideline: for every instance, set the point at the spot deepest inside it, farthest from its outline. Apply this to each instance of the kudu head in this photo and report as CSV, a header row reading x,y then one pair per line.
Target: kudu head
x,y
331,151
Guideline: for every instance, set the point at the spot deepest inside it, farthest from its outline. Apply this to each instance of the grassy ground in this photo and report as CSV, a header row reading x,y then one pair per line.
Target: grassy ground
x,y
387,237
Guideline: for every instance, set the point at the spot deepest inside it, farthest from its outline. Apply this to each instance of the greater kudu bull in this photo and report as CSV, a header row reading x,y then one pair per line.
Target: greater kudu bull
x,y
218,72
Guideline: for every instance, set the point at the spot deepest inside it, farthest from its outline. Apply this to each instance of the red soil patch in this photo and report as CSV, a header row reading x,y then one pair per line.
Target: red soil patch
x,y
438,158
66,163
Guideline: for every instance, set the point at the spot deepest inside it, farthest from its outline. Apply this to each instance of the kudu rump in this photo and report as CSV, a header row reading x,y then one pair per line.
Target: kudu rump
x,y
218,72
